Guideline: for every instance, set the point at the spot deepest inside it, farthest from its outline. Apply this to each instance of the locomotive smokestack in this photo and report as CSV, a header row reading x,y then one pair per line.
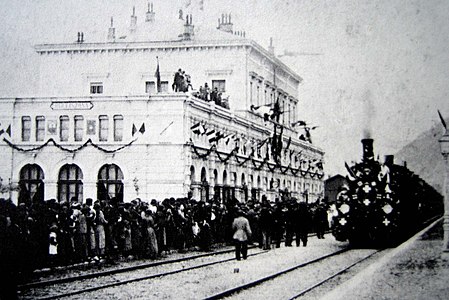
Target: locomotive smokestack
x,y
368,152
389,160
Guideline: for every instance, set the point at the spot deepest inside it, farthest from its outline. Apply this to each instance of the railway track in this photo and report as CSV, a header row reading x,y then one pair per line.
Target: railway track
x,y
56,281
97,283
43,283
255,283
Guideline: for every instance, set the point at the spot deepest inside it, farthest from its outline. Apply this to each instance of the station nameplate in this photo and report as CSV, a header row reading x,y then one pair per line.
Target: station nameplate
x,y
71,105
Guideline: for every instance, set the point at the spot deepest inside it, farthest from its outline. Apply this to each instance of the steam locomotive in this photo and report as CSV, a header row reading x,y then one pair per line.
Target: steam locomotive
x,y
382,203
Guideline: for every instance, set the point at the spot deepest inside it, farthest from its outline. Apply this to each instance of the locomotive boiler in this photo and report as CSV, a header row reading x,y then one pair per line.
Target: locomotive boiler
x,y
383,203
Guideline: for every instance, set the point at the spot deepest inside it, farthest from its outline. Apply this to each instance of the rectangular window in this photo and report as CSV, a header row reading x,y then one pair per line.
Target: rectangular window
x,y
26,129
251,92
40,128
96,87
150,87
118,128
64,128
79,128
164,86
104,128
220,85
258,95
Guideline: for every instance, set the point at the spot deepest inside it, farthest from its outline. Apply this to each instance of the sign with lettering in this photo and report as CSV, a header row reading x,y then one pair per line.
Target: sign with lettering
x,y
71,105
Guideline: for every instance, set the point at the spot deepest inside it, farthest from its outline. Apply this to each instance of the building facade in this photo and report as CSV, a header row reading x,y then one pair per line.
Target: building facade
x,y
100,127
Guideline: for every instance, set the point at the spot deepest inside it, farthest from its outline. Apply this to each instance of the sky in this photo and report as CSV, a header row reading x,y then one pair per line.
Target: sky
x,y
370,68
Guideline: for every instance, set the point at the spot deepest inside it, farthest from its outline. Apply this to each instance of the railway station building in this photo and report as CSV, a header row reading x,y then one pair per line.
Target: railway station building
x,y
107,123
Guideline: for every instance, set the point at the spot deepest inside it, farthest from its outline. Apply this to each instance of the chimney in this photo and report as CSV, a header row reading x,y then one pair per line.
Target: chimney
x,y
389,160
368,152
271,47
133,25
189,29
150,13
225,23
111,32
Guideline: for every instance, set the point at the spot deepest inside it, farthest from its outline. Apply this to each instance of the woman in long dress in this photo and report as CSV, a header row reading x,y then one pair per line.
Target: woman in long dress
x,y
100,236
149,235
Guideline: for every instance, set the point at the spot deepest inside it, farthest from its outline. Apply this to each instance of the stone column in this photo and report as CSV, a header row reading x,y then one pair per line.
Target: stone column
x,y
444,143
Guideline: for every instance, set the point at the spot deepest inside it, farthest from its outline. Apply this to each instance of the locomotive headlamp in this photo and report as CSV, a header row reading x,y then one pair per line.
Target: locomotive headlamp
x,y
344,208
387,208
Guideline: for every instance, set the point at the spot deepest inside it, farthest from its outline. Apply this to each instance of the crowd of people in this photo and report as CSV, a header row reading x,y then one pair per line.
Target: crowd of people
x,y
212,95
182,83
49,233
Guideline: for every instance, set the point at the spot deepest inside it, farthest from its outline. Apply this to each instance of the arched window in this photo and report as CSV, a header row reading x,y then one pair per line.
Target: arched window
x,y
110,183
70,183
217,188
244,188
192,174
31,184
204,185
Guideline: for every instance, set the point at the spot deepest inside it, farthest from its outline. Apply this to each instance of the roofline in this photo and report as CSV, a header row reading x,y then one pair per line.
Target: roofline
x,y
174,44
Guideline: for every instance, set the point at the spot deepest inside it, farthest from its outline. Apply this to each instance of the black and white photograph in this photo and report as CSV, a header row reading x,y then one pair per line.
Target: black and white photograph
x,y
224,149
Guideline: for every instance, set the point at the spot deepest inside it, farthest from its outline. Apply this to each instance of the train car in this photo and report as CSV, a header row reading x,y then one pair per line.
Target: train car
x,y
383,203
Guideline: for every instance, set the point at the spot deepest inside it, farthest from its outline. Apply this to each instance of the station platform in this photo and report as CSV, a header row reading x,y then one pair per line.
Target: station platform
x,y
414,270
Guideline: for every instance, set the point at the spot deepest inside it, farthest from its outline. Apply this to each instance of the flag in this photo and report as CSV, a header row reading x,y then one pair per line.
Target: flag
x,y
134,130
8,130
350,171
228,137
158,77
264,110
198,128
276,111
215,137
210,133
142,128
300,123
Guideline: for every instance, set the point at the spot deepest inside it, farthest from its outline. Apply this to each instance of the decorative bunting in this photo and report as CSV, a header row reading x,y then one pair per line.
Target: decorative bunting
x,y
52,141
271,166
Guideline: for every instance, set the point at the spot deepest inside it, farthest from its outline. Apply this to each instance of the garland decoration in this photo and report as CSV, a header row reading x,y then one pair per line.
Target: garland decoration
x,y
271,166
285,170
271,169
261,164
52,141
294,172
205,154
224,160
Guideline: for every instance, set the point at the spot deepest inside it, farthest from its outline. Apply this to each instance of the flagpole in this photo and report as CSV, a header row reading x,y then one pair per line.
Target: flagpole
x,y
158,76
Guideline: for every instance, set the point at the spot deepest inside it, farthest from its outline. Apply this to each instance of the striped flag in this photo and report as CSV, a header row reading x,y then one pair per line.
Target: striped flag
x,y
198,128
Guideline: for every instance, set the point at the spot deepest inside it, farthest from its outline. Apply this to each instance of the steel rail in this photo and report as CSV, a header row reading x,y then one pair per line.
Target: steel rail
x,y
254,283
333,275
114,284
43,283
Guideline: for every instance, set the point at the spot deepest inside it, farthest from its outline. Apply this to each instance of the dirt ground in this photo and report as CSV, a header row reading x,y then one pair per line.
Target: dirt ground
x,y
415,272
